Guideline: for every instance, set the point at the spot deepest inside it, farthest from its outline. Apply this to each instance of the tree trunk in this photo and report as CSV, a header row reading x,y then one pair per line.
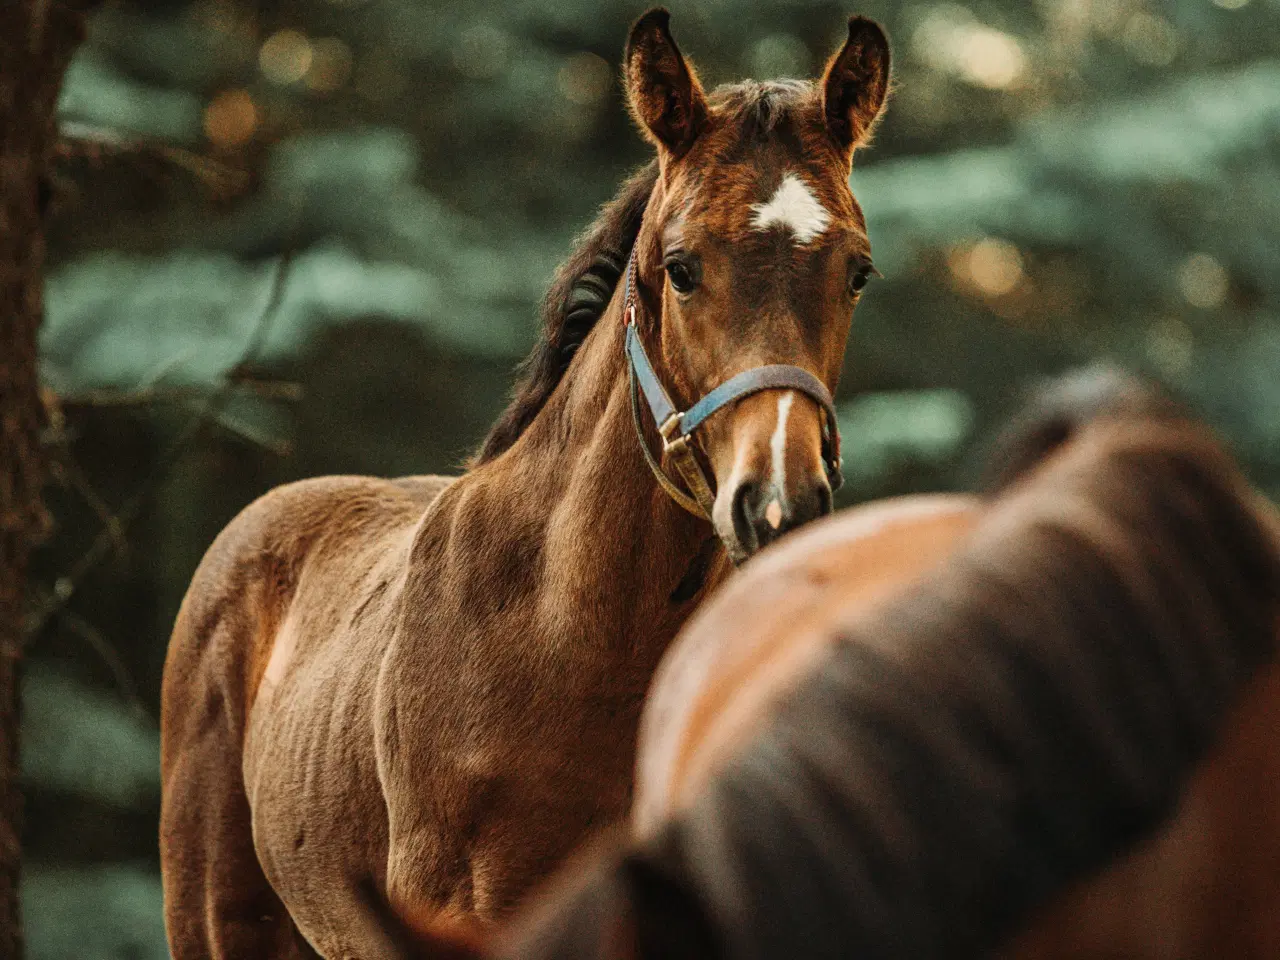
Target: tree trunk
x,y
37,39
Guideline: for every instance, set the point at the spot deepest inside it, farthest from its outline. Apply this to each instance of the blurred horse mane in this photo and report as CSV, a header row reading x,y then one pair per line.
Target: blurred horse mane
x,y
1053,412
1035,706
1024,715
576,299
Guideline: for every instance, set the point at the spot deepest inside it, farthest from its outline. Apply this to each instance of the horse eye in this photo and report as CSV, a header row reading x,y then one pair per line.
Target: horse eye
x,y
684,275
861,277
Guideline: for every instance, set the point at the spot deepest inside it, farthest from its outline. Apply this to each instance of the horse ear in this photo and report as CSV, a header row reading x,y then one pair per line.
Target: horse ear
x,y
662,89
856,84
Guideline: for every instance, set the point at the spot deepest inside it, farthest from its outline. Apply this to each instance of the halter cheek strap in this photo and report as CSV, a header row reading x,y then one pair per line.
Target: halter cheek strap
x,y
677,428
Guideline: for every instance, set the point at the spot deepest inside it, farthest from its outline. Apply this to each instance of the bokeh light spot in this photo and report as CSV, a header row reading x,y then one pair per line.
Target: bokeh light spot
x,y
230,119
992,266
989,58
951,41
285,57
330,65
1203,281
1231,4
584,79
1171,346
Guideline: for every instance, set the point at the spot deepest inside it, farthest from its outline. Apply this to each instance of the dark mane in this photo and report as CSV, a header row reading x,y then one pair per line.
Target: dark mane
x,y
1015,722
1057,409
576,299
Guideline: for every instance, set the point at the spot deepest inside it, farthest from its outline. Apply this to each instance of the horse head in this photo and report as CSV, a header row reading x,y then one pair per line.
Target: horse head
x,y
751,257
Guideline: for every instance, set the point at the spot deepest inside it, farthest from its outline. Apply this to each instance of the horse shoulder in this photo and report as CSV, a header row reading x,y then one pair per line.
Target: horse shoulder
x,y
269,679
226,629
764,631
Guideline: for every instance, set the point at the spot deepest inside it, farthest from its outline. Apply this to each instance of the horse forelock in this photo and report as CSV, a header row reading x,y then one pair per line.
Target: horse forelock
x,y
769,160
759,108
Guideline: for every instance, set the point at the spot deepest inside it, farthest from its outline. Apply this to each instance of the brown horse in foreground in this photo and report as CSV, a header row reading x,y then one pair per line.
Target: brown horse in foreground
x,y
1036,724
1139,544
427,690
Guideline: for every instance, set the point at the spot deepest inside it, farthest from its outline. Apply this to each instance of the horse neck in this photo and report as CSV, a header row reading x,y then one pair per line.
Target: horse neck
x,y
614,547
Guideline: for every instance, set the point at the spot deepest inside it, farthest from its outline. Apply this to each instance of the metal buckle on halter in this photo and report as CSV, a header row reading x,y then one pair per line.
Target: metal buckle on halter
x,y
668,428
672,442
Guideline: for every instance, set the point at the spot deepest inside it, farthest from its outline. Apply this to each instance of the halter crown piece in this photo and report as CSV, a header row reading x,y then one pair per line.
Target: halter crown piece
x,y
677,428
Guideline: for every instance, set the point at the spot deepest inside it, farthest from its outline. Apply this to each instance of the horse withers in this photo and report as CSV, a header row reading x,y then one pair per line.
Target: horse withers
x,y
426,691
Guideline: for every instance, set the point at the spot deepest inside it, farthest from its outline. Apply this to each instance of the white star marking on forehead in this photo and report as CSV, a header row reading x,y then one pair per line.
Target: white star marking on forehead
x,y
793,206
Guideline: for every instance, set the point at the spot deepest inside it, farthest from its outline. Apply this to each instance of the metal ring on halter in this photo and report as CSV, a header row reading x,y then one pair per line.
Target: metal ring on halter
x,y
676,428
675,493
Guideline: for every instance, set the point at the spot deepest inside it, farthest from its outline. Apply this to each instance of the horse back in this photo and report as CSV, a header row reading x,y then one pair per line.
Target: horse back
x,y
709,695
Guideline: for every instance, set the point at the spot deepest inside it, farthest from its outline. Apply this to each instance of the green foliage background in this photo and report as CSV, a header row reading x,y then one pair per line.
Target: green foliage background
x,y
1057,181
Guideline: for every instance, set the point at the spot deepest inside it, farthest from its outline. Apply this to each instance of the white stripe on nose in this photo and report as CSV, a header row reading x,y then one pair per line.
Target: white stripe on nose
x,y
778,444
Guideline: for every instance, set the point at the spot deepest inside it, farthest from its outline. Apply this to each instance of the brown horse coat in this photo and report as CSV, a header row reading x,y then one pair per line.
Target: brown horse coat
x,y
426,691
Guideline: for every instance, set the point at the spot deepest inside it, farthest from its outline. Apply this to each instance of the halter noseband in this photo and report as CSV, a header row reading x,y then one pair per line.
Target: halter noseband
x,y
677,428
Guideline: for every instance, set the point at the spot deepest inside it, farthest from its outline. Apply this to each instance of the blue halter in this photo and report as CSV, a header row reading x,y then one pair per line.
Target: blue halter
x,y
676,428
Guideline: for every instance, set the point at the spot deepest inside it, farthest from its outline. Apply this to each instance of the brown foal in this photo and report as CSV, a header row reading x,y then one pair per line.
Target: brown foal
x,y
426,691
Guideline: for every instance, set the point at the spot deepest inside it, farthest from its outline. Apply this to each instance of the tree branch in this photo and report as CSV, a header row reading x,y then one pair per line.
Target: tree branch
x,y
209,411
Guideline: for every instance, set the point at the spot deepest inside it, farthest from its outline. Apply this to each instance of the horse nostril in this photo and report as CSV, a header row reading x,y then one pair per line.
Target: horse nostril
x,y
744,524
761,514
810,504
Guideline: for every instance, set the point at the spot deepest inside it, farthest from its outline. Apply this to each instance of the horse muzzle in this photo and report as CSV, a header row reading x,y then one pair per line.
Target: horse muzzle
x,y
760,513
